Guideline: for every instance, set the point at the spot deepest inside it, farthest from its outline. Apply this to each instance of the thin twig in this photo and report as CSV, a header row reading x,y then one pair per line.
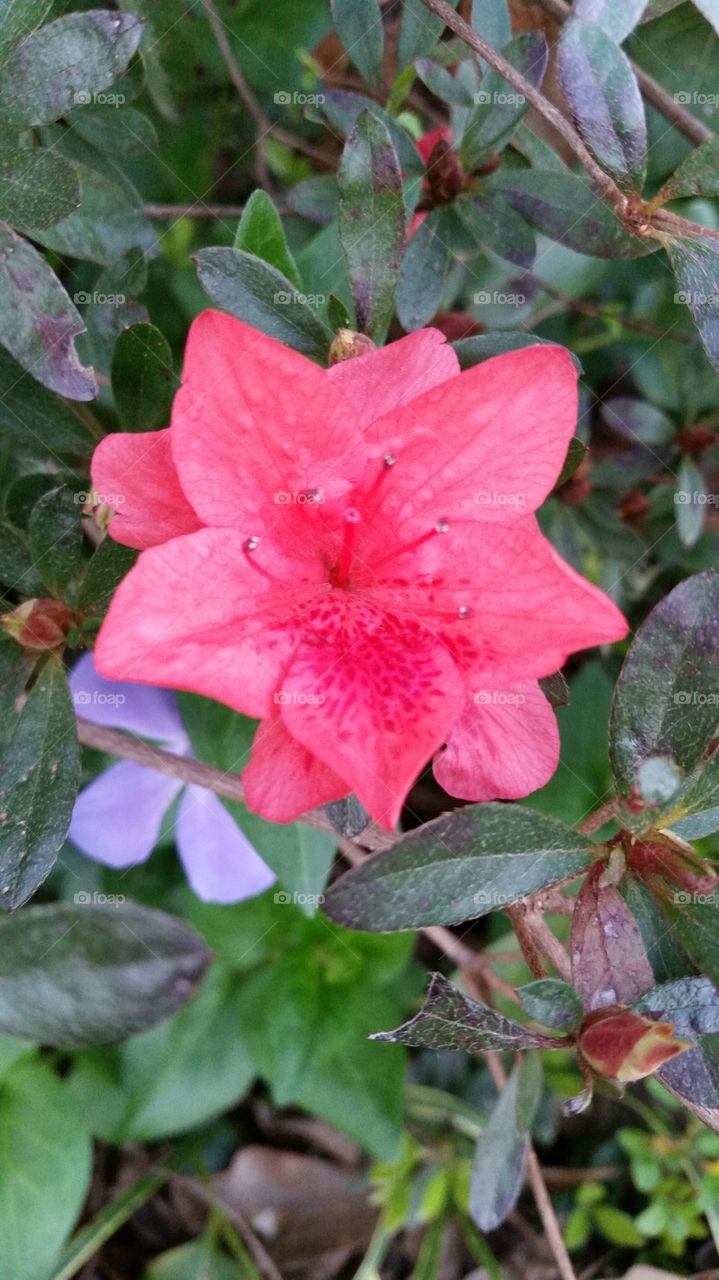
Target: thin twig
x,y
262,124
683,120
207,1196
605,185
198,210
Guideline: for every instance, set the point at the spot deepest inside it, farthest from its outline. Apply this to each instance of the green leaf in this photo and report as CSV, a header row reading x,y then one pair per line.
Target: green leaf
x,y
262,296
109,565
698,175
37,188
442,84
38,322
45,1165
118,130
39,770
617,1226
56,539
666,702
496,226
691,1003
90,1238
64,64
576,453
177,1076
565,208
143,380
552,1002
690,502
602,91
260,231
472,351
16,568
460,866
419,32
84,973
616,19
695,261
359,27
694,920
499,1162
16,665
637,421
499,108
490,18
40,420
423,272
666,956
450,1020
19,18
371,222
197,1260
343,109
109,222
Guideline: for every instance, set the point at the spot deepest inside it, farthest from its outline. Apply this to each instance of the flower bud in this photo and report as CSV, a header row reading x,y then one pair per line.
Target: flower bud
x,y
39,624
347,344
667,856
445,174
620,1045
695,440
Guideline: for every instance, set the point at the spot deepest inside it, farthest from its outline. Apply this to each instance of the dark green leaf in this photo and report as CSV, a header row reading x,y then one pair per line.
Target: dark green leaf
x,y
90,1238
260,295
696,267
419,32
460,866
450,1020
343,108
694,919
45,1166
359,27
576,454
616,19
197,1260
19,18
347,816
499,107
37,188
119,131
39,770
691,1003
555,689
315,199
142,378
472,351
371,222
443,84
496,226
65,64
260,231
83,973
16,665
105,571
565,208
41,421
109,223
16,567
56,539
552,1002
666,702
666,956
698,175
38,322
422,276
602,91
499,1162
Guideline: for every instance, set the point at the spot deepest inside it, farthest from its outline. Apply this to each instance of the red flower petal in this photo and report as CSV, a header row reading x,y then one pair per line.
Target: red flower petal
x,y
133,473
284,779
385,379
504,745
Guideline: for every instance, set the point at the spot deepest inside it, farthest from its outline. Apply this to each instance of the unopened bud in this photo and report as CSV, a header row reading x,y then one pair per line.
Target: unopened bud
x,y
445,173
39,624
634,509
621,1045
347,344
696,440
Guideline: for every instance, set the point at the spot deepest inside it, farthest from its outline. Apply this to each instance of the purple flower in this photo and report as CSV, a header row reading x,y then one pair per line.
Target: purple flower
x,y
117,818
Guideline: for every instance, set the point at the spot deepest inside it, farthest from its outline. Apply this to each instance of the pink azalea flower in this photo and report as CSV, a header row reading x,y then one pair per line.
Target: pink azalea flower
x,y
351,556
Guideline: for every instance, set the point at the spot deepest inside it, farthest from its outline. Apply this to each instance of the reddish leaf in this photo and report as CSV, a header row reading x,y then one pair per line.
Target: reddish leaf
x,y
609,962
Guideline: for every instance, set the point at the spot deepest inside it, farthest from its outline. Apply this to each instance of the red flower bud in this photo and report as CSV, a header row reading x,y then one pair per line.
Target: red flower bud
x,y
621,1045
347,344
39,624
671,858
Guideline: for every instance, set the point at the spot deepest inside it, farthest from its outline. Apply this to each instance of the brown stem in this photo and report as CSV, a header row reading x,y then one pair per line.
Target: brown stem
x,y
527,940
596,820
262,124
605,185
683,120
205,1195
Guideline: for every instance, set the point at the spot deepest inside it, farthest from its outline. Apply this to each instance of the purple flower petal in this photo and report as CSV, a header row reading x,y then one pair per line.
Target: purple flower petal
x,y
139,708
220,863
117,818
